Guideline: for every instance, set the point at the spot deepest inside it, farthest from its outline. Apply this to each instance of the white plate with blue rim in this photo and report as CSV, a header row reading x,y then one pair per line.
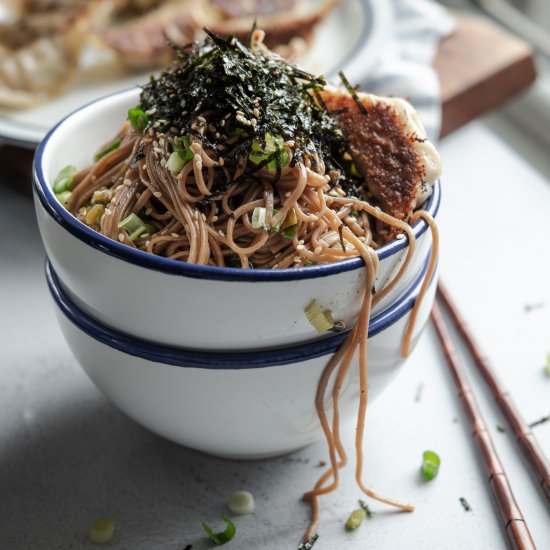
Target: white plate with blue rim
x,y
349,39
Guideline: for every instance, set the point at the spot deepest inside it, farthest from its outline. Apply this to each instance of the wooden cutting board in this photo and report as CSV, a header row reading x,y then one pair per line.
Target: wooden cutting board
x,y
480,67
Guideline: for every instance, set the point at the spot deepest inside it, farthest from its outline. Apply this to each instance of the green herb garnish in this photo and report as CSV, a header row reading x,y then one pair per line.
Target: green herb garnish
x,y
320,319
138,118
224,536
182,146
355,519
134,225
63,197
64,180
430,465
101,530
112,147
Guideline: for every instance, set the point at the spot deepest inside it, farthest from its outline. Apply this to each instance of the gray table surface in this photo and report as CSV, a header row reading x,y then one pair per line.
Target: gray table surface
x,y
67,455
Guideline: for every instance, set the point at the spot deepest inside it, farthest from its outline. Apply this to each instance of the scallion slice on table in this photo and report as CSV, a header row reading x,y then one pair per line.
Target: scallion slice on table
x,y
241,503
101,530
430,465
64,180
224,536
108,149
355,519
134,225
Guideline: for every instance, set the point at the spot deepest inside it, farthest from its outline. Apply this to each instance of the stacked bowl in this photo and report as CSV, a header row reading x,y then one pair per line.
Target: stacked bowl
x,y
222,360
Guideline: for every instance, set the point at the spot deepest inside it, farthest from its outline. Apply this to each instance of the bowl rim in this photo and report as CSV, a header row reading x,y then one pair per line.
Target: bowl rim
x,y
176,267
215,360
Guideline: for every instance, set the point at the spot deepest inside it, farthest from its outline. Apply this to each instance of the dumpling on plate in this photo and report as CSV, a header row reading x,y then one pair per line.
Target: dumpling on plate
x,y
39,51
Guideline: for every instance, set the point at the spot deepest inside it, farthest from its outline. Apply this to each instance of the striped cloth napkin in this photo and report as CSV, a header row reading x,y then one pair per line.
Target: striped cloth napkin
x,y
405,67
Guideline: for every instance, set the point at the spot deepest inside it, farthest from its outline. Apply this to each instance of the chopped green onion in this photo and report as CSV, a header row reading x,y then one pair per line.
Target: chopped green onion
x,y
355,519
354,214
290,219
273,148
175,163
310,262
134,225
258,217
64,180
430,465
138,118
63,197
241,503
182,146
224,536
94,214
289,232
101,530
349,166
321,320
112,147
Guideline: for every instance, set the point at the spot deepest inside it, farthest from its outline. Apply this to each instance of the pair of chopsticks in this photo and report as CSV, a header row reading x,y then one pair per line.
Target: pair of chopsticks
x,y
514,523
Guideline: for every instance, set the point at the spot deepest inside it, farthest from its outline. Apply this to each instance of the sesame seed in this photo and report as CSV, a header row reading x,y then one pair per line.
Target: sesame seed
x,y
400,236
318,249
121,237
214,219
300,247
221,162
288,193
127,182
256,112
176,235
148,211
240,119
239,113
221,233
157,194
253,122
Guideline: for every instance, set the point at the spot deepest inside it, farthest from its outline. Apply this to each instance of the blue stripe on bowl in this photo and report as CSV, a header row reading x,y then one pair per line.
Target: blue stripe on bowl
x,y
176,267
220,360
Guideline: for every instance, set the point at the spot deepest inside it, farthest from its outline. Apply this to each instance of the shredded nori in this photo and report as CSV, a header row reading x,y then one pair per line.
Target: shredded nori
x,y
218,78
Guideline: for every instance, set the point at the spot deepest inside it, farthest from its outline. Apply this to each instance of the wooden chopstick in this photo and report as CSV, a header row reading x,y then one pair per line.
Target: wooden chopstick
x,y
528,443
514,523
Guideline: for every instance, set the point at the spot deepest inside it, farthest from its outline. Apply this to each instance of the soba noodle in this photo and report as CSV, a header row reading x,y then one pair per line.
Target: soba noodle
x,y
196,194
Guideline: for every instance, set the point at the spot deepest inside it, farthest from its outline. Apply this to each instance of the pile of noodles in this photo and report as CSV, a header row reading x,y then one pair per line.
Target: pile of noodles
x,y
195,216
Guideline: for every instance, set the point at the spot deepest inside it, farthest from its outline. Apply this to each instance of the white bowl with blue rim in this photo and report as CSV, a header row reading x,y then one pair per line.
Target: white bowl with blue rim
x,y
193,306
251,404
